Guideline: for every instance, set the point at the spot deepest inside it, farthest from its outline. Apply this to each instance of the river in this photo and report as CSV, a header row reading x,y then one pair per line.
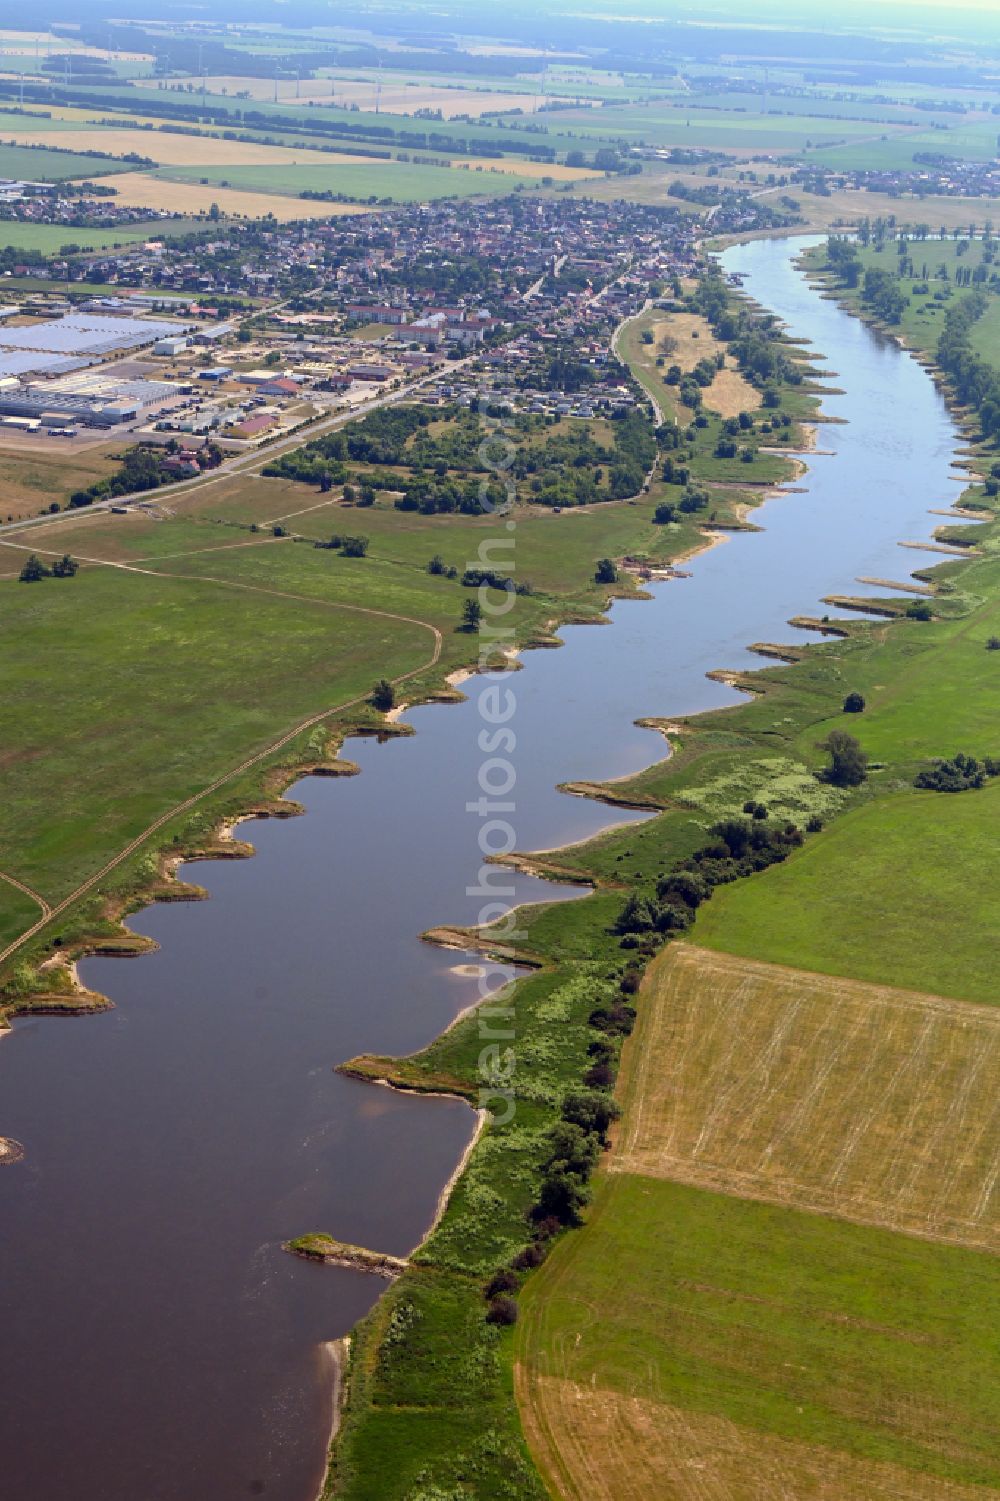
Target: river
x,y
157,1343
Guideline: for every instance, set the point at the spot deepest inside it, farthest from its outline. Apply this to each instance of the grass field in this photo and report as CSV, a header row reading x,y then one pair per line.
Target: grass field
x,y
883,896
683,339
50,239
940,696
397,180
39,165
32,480
685,1338
196,665
875,1105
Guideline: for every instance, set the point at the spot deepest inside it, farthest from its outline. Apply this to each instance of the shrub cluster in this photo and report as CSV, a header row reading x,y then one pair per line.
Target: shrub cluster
x,y
35,570
740,847
961,774
350,547
572,1147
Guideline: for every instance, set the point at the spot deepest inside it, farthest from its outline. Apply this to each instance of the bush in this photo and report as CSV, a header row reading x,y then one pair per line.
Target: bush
x,y
919,609
961,774
854,703
530,1257
502,1310
606,572
503,1281
993,644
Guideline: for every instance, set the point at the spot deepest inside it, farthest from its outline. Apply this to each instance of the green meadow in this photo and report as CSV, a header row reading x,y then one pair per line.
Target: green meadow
x,y
53,239
358,181
208,673
38,164
806,1328
898,892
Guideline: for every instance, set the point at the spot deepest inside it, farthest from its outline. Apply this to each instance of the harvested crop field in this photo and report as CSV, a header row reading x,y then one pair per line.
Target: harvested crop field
x,y
176,150
602,1445
558,171
873,1104
396,98
145,191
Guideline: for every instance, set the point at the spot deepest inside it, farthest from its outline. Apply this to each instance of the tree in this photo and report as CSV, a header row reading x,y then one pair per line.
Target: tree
x,y
592,1110
561,1196
606,572
383,696
472,614
848,762
665,512
66,568
33,570
854,703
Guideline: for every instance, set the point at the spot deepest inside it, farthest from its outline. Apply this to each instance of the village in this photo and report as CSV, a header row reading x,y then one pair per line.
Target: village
x,y
261,330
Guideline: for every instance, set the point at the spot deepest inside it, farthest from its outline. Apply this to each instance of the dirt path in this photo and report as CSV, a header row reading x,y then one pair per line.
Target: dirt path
x,y
40,900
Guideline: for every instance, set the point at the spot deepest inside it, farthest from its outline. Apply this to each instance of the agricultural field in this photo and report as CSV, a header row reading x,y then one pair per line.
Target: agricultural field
x,y
54,239
396,97
606,1446
971,141
37,164
143,190
357,181
171,149
689,1346
881,897
195,663
669,124
872,1104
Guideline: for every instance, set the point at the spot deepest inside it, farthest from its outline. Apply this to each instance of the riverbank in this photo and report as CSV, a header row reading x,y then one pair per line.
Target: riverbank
x,y
788,705
897,893
234,1005
90,915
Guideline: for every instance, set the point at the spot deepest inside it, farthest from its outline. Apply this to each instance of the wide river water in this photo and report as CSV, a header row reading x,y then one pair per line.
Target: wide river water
x,y
155,1342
